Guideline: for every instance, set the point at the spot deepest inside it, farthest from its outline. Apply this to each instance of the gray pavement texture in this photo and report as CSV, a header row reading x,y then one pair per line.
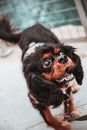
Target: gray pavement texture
x,y
16,111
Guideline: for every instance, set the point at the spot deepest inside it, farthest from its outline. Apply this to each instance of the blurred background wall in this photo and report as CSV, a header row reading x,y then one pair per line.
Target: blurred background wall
x,y
50,13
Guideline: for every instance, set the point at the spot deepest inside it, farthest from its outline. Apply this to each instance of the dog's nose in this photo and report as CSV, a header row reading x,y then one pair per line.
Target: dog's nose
x,y
62,59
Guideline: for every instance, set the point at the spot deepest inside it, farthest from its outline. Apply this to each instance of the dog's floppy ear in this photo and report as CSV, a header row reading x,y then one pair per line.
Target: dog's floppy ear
x,y
44,91
78,70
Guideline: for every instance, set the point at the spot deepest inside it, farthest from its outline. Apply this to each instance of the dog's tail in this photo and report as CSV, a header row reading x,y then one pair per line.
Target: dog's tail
x,y
7,31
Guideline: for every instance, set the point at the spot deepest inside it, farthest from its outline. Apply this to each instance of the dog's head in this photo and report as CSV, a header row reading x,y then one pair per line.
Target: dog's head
x,y
47,67
53,62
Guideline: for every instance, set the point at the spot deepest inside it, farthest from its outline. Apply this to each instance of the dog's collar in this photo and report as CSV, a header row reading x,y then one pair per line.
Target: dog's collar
x,y
32,48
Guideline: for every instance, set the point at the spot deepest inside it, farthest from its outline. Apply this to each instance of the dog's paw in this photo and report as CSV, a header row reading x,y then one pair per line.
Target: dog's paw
x,y
65,117
75,114
65,125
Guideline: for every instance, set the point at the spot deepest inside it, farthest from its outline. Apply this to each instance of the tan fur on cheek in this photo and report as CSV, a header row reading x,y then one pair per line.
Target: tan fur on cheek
x,y
57,71
71,64
47,76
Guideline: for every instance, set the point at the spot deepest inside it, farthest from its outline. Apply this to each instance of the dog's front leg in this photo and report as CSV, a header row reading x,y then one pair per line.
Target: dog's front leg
x,y
71,110
54,122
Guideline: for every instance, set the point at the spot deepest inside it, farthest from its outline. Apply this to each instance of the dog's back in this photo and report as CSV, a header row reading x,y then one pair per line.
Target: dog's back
x,y
36,33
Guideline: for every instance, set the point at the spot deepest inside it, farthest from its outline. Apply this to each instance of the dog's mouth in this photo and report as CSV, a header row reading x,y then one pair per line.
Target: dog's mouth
x,y
60,75
65,78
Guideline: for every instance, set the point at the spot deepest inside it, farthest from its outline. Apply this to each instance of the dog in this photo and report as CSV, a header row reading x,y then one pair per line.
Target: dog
x,y
48,66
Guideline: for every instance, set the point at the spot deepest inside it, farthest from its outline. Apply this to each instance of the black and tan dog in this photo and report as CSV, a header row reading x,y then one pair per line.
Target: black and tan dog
x,y
48,67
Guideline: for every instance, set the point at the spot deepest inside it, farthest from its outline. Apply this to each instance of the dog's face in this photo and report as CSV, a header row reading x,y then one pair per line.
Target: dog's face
x,y
48,68
54,63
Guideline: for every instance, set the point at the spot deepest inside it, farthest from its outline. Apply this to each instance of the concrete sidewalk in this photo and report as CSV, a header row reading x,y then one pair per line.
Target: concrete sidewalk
x,y
16,111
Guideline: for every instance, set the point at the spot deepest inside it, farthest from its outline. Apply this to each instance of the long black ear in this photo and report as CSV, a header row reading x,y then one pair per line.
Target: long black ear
x,y
78,70
44,91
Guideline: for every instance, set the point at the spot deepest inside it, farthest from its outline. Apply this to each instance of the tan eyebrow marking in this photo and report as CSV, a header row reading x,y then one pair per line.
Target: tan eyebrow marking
x,y
56,51
47,55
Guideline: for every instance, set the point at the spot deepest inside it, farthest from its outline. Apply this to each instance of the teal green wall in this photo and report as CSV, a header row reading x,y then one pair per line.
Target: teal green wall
x,y
26,13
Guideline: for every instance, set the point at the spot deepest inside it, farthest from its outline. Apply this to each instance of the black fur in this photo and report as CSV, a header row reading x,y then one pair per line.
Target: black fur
x,y
46,92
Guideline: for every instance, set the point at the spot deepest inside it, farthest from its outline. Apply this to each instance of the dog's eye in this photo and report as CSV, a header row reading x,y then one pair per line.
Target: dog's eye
x,y
47,63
